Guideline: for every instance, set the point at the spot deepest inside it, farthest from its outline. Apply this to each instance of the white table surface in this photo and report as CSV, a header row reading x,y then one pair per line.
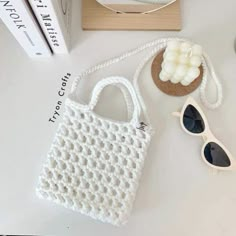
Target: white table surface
x,y
178,195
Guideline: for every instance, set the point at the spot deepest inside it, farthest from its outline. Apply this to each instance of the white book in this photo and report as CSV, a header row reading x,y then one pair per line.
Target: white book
x,y
54,17
18,17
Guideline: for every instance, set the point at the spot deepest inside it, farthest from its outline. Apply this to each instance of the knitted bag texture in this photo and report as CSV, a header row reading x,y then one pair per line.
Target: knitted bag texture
x,y
94,164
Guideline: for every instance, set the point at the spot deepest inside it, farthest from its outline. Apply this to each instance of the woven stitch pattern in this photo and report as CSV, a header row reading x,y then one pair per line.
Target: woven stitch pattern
x,y
94,165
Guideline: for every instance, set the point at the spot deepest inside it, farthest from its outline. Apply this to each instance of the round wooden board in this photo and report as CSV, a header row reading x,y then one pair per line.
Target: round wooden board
x,y
168,87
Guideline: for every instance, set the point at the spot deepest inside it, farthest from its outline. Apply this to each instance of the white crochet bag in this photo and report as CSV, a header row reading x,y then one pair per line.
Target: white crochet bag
x,y
94,164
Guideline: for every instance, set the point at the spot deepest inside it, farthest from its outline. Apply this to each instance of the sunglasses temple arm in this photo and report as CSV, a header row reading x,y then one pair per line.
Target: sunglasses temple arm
x,y
176,114
233,164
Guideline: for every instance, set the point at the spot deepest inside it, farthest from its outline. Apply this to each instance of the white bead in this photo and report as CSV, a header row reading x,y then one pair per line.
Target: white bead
x,y
175,79
169,68
195,61
193,72
183,59
185,47
197,50
173,45
184,83
188,79
163,76
171,56
181,71
164,79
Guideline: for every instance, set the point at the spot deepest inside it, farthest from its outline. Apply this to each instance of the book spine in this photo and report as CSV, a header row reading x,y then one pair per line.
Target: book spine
x,y
18,17
64,8
50,18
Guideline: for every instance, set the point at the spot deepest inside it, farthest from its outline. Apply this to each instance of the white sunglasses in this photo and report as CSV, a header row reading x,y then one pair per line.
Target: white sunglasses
x,y
194,122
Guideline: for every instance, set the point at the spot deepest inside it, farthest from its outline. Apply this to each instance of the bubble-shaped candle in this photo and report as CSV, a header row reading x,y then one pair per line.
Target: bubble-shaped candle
x,y
181,62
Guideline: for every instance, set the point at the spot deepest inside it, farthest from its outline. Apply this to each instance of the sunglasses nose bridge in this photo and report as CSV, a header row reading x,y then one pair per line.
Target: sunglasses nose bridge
x,y
204,136
207,135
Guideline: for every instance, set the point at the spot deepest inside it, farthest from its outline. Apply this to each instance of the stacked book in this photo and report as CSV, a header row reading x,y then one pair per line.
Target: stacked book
x,y
41,27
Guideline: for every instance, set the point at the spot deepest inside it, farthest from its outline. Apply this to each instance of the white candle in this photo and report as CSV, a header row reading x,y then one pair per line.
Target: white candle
x,y
181,62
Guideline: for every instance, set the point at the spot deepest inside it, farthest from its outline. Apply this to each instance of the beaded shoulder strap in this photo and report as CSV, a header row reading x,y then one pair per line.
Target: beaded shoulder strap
x,y
156,46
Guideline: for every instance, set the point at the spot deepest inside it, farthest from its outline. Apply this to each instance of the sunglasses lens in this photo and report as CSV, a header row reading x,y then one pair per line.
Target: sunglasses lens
x,y
216,156
193,121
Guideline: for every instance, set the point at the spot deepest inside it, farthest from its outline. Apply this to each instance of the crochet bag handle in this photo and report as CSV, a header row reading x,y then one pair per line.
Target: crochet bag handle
x,y
121,81
128,100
